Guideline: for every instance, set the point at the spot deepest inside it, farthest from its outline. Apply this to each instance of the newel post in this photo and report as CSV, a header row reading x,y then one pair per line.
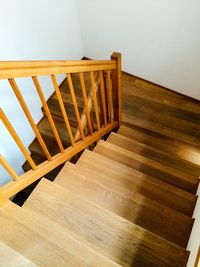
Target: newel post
x,y
117,87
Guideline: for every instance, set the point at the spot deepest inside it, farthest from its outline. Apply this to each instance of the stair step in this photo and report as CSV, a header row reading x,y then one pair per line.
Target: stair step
x,y
110,234
45,129
11,258
163,143
131,181
150,123
36,149
148,166
149,214
56,111
49,139
45,242
153,153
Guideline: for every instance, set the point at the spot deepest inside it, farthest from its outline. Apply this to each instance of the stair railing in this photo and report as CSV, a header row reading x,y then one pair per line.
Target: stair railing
x,y
105,76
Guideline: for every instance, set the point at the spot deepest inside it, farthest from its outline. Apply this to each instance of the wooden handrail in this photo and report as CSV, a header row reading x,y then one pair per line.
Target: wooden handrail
x,y
103,105
17,69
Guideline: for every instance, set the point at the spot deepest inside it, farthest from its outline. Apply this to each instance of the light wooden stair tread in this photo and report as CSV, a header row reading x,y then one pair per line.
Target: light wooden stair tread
x,y
128,180
154,153
109,233
166,144
11,258
45,242
149,214
148,166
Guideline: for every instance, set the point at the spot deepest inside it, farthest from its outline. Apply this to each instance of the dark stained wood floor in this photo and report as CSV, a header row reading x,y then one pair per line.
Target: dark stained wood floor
x,y
171,118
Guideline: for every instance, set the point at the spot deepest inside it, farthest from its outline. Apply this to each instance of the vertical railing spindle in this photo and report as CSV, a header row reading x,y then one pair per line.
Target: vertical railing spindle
x,y
95,100
102,92
48,113
86,107
62,107
29,116
16,138
71,88
110,97
8,168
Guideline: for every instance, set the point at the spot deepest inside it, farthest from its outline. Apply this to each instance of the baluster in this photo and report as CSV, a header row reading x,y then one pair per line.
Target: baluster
x,y
95,100
5,164
48,113
29,116
110,97
62,107
71,88
102,92
86,108
117,88
16,138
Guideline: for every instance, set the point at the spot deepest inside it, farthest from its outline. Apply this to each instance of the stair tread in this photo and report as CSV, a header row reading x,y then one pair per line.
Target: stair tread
x,y
154,153
11,258
45,129
36,149
130,181
151,167
45,242
140,119
149,214
166,144
113,236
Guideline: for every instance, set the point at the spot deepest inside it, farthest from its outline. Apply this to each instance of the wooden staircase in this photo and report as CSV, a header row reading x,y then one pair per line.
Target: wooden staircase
x,y
117,206
126,201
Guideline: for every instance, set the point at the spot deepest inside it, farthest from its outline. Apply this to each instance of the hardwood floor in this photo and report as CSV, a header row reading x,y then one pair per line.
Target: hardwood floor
x,y
162,111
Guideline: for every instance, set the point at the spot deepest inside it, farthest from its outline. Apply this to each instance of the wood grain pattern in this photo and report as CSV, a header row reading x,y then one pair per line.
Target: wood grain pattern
x,y
148,166
138,209
45,243
113,236
155,154
159,110
165,144
130,181
14,69
11,258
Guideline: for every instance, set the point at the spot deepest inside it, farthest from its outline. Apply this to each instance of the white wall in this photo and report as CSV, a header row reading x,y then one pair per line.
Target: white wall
x,y
159,40
32,30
